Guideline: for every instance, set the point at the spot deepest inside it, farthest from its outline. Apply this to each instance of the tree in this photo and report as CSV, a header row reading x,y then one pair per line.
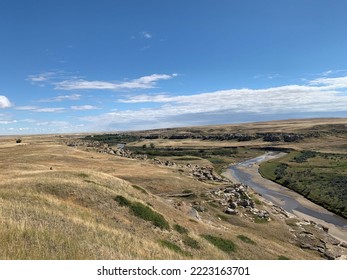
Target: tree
x,y
144,146
152,146
19,141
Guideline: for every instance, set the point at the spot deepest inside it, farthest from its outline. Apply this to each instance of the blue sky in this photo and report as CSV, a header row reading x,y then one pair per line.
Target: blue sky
x,y
85,66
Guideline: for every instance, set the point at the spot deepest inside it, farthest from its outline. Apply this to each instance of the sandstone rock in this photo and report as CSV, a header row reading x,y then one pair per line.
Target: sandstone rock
x,y
230,211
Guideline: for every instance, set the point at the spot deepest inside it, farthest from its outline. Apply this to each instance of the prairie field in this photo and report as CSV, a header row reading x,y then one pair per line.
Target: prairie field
x,y
63,202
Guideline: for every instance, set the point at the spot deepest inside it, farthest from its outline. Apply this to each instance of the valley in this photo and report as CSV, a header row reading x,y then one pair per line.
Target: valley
x,y
163,194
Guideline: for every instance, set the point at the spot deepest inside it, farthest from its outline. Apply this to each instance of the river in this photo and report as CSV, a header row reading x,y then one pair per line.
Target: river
x,y
247,173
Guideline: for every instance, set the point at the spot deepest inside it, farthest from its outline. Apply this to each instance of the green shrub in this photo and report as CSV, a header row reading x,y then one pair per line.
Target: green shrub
x,y
180,229
144,212
245,239
172,246
223,244
192,243
260,220
19,141
122,201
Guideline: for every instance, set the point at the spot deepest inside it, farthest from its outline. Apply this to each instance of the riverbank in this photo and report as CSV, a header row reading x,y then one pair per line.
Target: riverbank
x,y
247,173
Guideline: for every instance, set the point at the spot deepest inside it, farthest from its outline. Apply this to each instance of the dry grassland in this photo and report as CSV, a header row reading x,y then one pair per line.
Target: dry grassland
x,y
58,202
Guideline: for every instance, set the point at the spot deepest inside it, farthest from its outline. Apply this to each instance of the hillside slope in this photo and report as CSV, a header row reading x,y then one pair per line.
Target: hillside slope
x,y
58,202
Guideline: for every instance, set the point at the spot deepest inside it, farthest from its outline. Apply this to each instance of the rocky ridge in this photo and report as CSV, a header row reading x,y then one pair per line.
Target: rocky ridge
x,y
202,173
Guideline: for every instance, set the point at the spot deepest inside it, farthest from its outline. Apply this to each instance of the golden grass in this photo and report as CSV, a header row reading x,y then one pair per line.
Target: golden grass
x,y
70,212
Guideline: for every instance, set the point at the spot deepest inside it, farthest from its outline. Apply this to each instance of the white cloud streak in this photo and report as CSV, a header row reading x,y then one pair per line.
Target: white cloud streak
x,y
4,102
60,98
42,77
41,109
8,122
145,82
319,95
146,35
84,107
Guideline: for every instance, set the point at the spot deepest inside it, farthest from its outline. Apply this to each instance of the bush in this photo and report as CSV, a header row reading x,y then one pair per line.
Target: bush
x,y
180,229
172,246
19,141
192,243
223,244
245,239
144,212
122,201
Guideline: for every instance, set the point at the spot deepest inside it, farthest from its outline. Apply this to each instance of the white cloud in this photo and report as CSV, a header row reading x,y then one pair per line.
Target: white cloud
x,y
41,79
8,122
50,110
320,95
41,109
60,98
4,102
26,108
330,83
145,82
84,107
146,35
331,72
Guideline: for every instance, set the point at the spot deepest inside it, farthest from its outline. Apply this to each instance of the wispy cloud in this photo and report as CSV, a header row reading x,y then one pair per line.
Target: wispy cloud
x,y
267,76
319,95
146,35
41,79
145,82
50,110
60,98
84,107
8,121
330,83
26,108
50,77
41,109
4,102
332,72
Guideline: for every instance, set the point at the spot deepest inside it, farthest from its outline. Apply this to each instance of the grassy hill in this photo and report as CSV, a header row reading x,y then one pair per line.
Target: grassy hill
x,y
60,202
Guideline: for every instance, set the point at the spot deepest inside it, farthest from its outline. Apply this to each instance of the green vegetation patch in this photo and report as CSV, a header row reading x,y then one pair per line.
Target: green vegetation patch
x,y
260,220
180,229
191,242
146,213
320,177
187,158
225,245
83,175
112,139
139,189
172,246
122,201
304,156
246,239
